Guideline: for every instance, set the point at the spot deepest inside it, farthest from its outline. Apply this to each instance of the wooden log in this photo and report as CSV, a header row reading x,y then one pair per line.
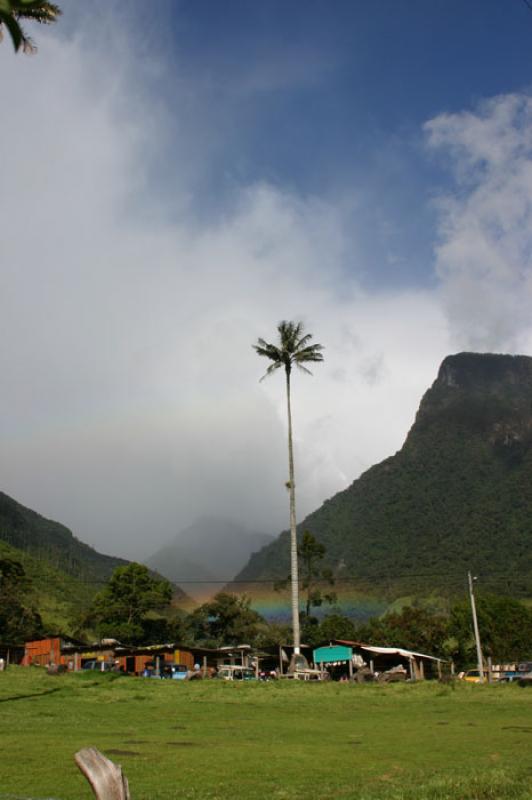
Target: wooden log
x,y
106,779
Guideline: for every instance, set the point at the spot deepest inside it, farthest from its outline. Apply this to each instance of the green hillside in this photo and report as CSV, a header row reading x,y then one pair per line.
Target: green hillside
x,y
65,573
52,542
57,596
457,496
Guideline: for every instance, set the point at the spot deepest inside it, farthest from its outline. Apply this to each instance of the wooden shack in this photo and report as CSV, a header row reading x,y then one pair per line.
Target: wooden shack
x,y
136,660
42,652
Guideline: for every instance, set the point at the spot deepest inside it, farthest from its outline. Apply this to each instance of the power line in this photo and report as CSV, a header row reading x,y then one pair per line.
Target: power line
x,y
350,580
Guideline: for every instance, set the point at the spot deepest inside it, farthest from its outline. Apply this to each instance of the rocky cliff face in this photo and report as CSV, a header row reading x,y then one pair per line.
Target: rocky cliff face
x,y
457,496
480,395
488,388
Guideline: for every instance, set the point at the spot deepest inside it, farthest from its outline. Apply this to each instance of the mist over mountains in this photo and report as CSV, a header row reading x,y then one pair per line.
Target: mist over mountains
x,y
207,554
456,497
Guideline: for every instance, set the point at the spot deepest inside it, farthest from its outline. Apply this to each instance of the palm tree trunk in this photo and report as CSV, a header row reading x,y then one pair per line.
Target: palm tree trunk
x,y
293,532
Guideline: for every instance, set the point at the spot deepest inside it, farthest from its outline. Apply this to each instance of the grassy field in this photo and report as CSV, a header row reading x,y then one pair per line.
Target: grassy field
x,y
278,740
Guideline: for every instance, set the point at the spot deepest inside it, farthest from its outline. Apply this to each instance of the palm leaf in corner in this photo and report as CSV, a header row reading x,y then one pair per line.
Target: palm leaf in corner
x,y
12,11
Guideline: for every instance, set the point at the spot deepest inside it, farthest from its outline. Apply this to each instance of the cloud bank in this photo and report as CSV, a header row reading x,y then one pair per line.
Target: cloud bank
x,y
483,258
131,401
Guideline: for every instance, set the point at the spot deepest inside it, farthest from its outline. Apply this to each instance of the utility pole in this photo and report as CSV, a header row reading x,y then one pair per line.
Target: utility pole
x,y
475,626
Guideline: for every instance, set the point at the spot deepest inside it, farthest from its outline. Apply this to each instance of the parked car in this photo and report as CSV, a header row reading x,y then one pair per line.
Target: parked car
x,y
522,670
526,679
308,674
176,672
98,666
473,676
233,673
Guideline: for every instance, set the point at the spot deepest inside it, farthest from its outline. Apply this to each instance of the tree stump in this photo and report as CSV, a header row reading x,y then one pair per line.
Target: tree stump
x,y
106,779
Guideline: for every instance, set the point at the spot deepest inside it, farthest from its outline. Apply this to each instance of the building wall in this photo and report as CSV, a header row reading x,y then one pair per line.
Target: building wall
x,y
42,652
46,651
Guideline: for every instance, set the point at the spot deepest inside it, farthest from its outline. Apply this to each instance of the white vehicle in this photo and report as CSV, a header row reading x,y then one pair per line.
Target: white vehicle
x,y
233,673
308,674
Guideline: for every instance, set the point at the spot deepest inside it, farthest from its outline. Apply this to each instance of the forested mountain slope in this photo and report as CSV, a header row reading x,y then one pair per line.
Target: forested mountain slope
x,y
65,573
42,538
59,598
457,496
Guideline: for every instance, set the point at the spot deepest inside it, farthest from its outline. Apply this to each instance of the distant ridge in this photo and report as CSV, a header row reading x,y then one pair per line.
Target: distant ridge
x,y
66,573
457,496
44,539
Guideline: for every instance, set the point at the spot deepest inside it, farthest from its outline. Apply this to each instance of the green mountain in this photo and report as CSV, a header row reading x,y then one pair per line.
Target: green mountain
x,y
51,542
456,497
58,597
65,573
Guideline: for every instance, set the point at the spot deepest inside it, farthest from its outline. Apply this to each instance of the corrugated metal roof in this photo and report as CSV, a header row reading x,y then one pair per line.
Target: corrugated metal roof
x,y
397,651
387,650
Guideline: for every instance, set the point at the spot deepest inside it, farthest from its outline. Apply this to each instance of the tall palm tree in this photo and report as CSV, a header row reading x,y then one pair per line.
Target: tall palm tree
x,y
294,348
12,11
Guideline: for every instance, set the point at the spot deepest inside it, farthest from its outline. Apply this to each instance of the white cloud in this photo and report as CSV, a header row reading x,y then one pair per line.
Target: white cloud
x,y
131,402
484,256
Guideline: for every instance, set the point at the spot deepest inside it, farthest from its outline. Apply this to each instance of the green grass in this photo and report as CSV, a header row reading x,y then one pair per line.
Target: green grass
x,y
285,741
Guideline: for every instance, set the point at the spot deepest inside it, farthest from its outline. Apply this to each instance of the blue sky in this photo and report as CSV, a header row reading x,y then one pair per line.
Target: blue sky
x,y
190,177
330,98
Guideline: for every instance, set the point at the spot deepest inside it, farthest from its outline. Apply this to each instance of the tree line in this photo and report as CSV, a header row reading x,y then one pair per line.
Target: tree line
x,y
137,607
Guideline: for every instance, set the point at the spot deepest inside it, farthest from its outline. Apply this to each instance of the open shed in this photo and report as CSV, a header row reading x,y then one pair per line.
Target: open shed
x,y
350,657
335,655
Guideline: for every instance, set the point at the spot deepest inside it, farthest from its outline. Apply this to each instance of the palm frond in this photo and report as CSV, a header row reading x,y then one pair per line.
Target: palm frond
x,y
271,368
14,29
289,334
293,348
11,11
37,10
269,351
312,353
303,340
28,45
302,368
287,328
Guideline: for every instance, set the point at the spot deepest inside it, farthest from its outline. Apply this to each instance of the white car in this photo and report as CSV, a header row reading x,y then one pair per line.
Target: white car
x,y
232,673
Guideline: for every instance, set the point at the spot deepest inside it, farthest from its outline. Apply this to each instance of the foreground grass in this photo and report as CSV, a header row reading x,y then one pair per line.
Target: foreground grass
x,y
207,740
